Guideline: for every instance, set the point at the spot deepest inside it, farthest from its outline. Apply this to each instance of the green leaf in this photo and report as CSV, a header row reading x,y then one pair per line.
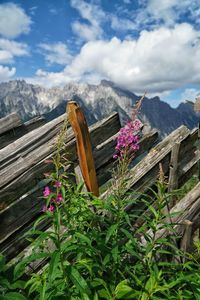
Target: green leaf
x,y
115,253
105,294
63,191
106,259
98,282
14,296
2,262
55,259
83,238
111,231
123,291
197,294
79,281
128,234
96,297
19,284
39,220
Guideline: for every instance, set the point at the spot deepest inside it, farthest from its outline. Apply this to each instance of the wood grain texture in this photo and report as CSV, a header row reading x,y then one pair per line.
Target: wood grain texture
x,y
84,148
14,133
22,163
9,122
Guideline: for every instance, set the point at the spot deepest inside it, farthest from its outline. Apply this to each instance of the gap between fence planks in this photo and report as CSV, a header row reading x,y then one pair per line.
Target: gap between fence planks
x,y
84,148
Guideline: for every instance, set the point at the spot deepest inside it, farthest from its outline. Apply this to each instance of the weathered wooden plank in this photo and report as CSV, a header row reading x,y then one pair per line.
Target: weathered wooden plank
x,y
30,141
186,241
187,170
15,133
84,148
16,243
31,164
35,123
12,135
9,122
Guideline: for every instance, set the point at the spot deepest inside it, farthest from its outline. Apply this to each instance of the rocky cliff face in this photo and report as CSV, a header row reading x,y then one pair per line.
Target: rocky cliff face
x,y
97,102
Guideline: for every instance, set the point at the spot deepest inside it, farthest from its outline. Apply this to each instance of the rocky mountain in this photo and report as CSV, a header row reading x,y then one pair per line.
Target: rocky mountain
x,y
97,101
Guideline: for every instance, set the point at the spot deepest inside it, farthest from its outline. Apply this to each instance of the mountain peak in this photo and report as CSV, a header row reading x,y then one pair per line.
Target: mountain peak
x,y
105,82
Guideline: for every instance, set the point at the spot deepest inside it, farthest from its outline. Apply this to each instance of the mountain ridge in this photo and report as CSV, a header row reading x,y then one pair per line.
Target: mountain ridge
x,y
97,101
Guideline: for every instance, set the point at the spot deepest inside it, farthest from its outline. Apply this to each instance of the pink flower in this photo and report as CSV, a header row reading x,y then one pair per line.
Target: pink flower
x,y
128,138
46,191
44,208
59,198
58,184
51,208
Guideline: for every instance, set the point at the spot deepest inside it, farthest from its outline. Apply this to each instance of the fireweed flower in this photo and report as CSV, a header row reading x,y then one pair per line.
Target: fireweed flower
x,y
51,208
44,208
58,184
128,139
59,198
46,191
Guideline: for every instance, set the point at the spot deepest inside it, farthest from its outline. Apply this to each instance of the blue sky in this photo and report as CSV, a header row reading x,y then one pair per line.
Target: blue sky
x,y
141,45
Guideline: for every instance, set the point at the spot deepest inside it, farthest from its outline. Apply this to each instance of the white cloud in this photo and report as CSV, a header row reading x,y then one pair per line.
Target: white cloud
x,y
122,24
53,11
11,49
33,10
56,53
190,94
86,32
168,12
93,14
13,20
6,73
159,60
49,79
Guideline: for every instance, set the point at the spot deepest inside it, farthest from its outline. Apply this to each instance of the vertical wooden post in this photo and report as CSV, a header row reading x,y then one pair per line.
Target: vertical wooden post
x,y
84,148
173,172
186,241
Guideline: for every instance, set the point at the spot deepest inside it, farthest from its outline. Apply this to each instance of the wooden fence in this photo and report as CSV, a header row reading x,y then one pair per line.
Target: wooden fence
x,y
22,164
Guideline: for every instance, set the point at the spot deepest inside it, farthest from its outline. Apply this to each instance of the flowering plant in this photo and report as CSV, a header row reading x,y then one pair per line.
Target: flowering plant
x,y
128,139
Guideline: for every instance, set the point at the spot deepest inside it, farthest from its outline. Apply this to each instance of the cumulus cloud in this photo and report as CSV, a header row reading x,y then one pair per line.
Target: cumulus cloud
x,y
56,53
6,73
13,20
159,60
11,49
94,16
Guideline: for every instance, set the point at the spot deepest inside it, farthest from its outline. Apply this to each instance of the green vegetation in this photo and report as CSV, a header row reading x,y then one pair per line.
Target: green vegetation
x,y
94,251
